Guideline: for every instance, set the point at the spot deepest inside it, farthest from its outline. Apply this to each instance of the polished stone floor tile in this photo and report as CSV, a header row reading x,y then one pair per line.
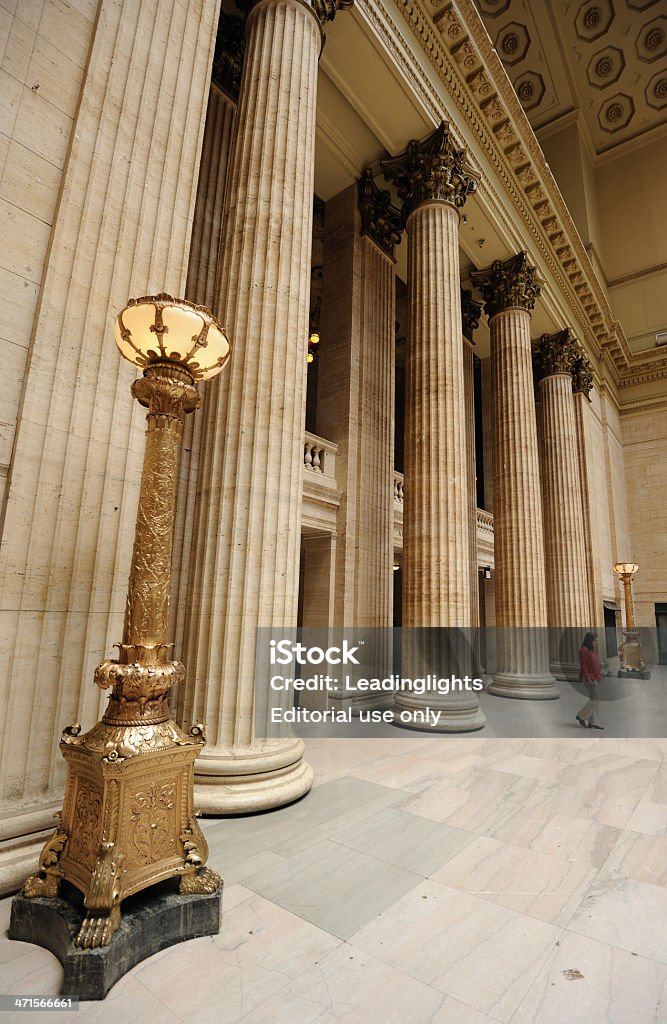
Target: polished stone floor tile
x,y
482,954
650,818
637,856
405,840
260,948
542,885
625,913
334,887
521,837
351,987
594,983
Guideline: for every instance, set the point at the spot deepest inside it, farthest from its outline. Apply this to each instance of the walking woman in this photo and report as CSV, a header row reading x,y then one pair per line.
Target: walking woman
x,y
590,675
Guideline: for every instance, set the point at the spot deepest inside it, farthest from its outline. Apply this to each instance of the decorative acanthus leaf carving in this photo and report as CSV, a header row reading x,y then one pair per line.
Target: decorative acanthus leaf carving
x,y
433,169
508,284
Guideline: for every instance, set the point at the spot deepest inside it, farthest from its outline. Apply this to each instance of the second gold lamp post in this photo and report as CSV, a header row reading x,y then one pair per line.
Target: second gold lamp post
x,y
631,661
128,819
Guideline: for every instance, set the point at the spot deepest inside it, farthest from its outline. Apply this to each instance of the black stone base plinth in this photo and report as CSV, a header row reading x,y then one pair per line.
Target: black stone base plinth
x,y
633,673
152,920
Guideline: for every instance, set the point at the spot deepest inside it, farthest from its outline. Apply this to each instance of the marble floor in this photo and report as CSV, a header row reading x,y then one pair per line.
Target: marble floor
x,y
452,880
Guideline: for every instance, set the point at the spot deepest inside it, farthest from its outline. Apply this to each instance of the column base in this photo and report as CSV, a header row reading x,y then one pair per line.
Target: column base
x,y
437,716
253,779
524,687
567,671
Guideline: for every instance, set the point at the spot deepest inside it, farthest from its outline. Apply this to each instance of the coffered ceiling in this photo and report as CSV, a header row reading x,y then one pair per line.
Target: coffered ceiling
x,y
606,57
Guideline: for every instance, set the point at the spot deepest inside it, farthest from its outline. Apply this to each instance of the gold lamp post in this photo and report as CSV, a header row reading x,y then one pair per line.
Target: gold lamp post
x,y
128,819
632,664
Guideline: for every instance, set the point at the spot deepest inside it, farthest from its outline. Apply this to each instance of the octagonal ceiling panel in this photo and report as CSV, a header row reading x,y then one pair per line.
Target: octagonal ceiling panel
x,y
606,57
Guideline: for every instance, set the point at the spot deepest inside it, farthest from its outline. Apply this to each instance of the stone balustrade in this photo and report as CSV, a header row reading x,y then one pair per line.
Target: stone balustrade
x,y
398,488
484,521
319,456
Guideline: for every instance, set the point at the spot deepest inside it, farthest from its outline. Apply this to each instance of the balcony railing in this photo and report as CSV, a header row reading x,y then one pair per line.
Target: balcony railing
x,y
398,489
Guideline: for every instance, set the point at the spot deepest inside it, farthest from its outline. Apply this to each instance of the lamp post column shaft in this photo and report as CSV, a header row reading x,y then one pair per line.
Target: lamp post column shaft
x,y
629,610
147,608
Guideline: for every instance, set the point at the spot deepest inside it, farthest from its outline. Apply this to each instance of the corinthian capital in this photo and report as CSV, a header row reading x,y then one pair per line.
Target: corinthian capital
x,y
379,219
430,170
555,353
324,10
582,376
508,284
471,310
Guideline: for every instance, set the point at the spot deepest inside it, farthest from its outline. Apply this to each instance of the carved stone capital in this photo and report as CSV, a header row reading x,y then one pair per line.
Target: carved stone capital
x,y
229,54
555,353
508,284
324,10
433,169
379,219
471,311
582,376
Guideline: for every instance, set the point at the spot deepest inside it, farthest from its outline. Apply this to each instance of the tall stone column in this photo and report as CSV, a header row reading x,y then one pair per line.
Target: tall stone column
x,y
203,272
249,515
355,408
565,557
470,314
433,182
510,288
122,229
582,383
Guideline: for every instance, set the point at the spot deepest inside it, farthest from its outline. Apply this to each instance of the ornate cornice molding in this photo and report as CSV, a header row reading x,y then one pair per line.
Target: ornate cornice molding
x,y
460,51
555,353
508,284
380,220
430,170
471,312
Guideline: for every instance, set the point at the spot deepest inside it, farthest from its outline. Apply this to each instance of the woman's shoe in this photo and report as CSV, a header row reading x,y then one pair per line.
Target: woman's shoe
x,y
595,726
581,722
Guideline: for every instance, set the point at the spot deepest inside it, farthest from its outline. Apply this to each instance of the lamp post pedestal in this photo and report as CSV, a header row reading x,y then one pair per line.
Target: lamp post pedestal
x,y
632,664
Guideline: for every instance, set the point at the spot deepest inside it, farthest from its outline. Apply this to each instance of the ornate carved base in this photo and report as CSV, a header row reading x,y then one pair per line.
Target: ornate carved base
x,y
127,822
152,920
632,664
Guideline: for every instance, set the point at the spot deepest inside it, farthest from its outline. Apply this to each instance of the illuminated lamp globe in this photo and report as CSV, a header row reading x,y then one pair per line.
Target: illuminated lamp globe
x,y
625,568
162,330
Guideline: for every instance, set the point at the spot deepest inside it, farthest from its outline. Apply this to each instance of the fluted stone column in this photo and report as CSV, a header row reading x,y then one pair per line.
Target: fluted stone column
x,y
510,289
250,480
432,180
122,229
565,557
582,383
470,314
203,271
355,409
